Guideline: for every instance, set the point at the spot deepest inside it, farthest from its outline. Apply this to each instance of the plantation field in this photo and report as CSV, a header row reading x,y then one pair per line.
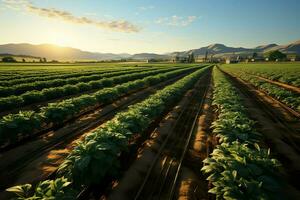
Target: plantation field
x,y
283,72
150,131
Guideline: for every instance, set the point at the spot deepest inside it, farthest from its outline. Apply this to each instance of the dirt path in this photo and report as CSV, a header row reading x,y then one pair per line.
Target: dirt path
x,y
153,159
193,184
36,160
280,134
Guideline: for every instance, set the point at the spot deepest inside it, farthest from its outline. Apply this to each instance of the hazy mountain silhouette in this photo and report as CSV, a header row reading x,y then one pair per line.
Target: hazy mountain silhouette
x,y
54,52
219,50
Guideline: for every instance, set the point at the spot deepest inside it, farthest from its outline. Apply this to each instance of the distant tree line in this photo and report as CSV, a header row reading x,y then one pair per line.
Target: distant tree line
x,y
276,55
11,59
189,59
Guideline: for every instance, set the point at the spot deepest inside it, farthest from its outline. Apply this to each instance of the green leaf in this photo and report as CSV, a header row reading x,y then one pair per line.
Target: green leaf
x,y
234,173
20,190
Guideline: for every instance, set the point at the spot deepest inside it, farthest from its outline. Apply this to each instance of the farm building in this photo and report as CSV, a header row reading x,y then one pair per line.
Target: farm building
x,y
293,57
231,60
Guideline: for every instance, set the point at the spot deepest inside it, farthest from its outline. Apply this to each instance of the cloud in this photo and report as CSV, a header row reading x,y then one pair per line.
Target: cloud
x,y
143,8
115,25
15,4
176,20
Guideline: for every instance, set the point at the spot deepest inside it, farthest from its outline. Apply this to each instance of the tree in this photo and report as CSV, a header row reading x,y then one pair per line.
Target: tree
x,y
274,55
191,58
8,59
44,60
23,60
206,54
254,55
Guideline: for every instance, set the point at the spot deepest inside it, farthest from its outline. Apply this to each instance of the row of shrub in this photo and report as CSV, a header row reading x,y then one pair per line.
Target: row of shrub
x,y
14,75
14,127
291,99
46,76
40,85
31,97
238,167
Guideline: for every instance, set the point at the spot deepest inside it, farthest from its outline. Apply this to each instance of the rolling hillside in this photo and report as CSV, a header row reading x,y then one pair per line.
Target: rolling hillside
x,y
53,52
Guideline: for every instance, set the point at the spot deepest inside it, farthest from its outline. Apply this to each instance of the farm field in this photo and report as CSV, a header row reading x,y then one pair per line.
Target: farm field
x,y
150,131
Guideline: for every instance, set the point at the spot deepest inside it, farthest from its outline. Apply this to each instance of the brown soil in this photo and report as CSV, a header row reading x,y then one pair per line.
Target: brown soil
x,y
202,141
33,162
190,186
193,184
281,134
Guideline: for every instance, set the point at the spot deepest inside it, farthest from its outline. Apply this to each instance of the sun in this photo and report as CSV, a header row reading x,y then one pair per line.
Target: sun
x,y
59,37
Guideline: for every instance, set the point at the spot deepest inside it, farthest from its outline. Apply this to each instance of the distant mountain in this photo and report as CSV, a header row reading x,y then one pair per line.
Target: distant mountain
x,y
214,49
292,48
53,52
147,56
220,50
14,55
266,47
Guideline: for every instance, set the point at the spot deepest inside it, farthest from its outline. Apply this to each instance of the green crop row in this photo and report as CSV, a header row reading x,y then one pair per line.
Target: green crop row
x,y
58,75
21,75
285,73
238,167
12,102
290,98
97,155
14,127
40,85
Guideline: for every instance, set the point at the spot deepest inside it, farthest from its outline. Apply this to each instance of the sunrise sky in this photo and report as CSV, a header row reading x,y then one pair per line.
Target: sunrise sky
x,y
159,26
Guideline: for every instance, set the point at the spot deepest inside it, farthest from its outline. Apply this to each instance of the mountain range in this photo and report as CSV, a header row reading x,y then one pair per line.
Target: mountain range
x,y
220,50
53,52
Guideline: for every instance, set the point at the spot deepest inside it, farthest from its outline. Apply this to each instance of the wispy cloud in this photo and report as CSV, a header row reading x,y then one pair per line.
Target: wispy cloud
x,y
143,8
177,20
115,25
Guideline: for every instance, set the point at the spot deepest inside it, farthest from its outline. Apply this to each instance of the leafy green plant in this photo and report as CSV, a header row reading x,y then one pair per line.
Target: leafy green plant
x,y
239,172
97,155
292,99
58,112
11,126
101,148
238,168
21,88
58,189
45,94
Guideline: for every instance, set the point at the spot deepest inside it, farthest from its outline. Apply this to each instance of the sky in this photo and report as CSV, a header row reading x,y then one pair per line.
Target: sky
x,y
158,26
